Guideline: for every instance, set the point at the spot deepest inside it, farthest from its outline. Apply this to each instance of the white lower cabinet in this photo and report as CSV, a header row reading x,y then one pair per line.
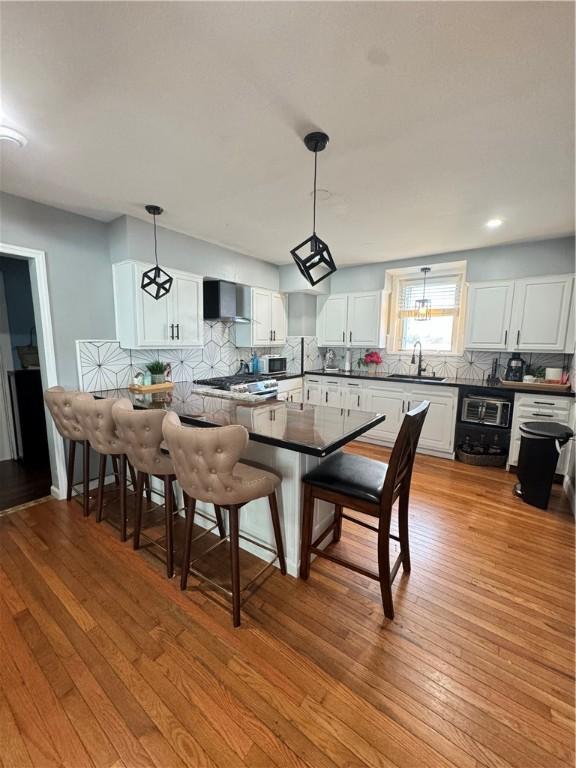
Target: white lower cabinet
x,y
541,408
393,400
291,390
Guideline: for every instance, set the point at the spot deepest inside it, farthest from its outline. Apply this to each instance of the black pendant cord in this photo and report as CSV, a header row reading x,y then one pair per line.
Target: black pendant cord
x,y
155,240
314,206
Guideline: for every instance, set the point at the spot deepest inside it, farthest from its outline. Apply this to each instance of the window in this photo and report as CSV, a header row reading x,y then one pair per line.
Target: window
x,y
442,331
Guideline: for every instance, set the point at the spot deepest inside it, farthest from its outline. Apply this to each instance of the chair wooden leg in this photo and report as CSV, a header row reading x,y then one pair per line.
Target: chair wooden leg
x,y
148,489
220,521
123,513
337,523
101,481
132,472
403,532
138,512
71,459
235,564
307,525
86,478
169,526
174,489
277,532
116,470
384,573
190,508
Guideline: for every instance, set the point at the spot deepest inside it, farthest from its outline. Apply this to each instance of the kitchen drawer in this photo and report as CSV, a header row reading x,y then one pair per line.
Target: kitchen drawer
x,y
559,403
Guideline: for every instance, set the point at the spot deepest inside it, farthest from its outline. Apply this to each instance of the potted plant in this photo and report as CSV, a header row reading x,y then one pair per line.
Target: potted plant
x,y
157,371
371,360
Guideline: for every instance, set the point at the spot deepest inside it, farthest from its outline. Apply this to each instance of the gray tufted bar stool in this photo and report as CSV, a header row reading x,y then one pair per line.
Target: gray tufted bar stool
x,y
208,467
141,435
95,418
59,402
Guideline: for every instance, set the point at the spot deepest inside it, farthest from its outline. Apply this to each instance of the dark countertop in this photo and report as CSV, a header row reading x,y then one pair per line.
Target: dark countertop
x,y
475,383
316,430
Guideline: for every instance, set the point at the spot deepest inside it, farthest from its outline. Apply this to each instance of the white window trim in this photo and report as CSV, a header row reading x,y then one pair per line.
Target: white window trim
x,y
396,276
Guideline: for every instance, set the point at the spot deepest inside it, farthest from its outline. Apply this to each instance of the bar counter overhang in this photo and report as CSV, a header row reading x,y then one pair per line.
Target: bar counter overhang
x,y
288,438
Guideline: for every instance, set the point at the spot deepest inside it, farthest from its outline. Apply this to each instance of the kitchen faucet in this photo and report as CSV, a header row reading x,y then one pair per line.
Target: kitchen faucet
x,y
413,360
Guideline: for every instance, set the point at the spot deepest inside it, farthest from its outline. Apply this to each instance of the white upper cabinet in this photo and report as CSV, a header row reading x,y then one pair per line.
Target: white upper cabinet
x,y
525,315
268,325
540,314
175,320
352,319
489,312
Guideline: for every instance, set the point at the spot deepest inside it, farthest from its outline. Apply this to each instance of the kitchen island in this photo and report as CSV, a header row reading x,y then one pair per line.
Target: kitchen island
x,y
288,438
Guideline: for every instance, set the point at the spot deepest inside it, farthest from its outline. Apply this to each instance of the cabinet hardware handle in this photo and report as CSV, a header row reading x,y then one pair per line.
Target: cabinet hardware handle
x,y
358,401
409,404
172,331
505,337
548,415
518,338
402,406
350,335
541,402
178,331
307,394
326,396
343,335
274,335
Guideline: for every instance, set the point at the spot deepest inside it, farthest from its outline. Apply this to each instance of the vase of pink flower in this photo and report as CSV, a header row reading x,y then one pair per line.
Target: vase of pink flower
x,y
371,360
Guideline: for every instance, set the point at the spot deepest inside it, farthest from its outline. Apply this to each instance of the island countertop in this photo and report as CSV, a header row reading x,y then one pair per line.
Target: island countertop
x,y
316,430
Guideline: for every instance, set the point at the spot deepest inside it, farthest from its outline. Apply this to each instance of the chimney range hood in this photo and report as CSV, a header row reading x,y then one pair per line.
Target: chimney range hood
x,y
224,301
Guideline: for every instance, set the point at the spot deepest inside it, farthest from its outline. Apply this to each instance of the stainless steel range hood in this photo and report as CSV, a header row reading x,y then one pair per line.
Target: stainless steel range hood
x,y
224,301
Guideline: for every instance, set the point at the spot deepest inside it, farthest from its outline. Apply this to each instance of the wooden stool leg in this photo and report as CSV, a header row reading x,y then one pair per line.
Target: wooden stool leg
x,y
337,523
235,564
132,475
384,573
86,478
123,514
403,532
169,526
307,525
101,481
138,512
190,507
220,521
115,470
277,532
148,489
71,459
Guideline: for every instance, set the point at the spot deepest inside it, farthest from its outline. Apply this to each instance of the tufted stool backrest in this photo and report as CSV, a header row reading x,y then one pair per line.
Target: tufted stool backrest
x,y
95,418
141,434
59,402
204,459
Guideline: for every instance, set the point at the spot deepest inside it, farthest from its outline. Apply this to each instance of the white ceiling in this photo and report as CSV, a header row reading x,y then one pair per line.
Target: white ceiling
x,y
441,116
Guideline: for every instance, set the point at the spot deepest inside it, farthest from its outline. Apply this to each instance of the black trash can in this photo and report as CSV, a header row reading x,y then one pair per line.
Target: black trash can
x,y
539,451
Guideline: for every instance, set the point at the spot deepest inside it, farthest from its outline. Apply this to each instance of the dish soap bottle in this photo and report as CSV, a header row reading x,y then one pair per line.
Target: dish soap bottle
x,y
255,363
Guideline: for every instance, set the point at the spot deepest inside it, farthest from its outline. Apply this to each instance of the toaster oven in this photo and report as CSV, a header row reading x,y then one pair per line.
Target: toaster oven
x,y
486,410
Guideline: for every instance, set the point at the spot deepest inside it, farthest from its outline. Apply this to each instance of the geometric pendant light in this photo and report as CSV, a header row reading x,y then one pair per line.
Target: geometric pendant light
x,y
312,256
155,281
423,306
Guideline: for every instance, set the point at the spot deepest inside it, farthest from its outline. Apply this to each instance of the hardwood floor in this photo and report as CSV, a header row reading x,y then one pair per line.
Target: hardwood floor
x,y
20,484
105,663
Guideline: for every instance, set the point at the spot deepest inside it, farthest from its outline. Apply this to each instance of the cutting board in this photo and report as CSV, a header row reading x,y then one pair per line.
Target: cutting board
x,y
165,387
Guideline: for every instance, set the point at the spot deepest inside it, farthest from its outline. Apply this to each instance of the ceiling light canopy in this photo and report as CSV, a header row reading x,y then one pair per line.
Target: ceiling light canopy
x,y
12,136
312,256
156,282
494,223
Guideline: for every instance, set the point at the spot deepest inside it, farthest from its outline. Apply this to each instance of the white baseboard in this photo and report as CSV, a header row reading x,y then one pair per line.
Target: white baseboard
x,y
569,491
93,485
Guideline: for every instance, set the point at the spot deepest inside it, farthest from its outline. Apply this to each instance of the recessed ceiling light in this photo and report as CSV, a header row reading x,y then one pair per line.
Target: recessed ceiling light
x,y
494,223
9,134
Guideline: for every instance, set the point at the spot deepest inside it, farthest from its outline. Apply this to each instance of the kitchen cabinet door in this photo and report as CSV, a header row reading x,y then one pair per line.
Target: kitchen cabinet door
x,y
313,392
261,317
188,317
488,317
540,316
332,321
279,318
353,397
155,319
392,403
365,324
438,430
331,395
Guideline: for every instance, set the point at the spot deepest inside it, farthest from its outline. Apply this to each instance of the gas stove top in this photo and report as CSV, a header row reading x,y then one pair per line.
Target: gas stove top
x,y
241,386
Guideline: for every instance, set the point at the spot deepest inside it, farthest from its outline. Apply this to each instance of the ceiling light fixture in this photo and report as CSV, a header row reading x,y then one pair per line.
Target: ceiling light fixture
x,y
423,305
494,223
12,136
156,282
312,256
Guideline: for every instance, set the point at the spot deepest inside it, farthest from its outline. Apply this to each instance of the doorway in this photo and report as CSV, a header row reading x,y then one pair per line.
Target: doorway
x,y
25,473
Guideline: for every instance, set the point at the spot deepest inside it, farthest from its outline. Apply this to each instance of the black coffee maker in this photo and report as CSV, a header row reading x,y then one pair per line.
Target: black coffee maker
x,y
515,368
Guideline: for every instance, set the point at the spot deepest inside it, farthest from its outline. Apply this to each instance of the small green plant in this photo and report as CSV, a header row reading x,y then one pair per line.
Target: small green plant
x,y
156,367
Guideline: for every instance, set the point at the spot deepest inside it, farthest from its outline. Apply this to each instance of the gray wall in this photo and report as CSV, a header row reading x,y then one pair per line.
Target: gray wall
x,y
132,238
301,314
544,257
19,305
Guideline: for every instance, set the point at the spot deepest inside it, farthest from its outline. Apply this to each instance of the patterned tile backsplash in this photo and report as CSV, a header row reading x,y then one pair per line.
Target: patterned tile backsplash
x,y
103,364
469,365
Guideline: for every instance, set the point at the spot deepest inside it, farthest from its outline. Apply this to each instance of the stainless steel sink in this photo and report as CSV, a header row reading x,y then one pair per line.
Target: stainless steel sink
x,y
416,379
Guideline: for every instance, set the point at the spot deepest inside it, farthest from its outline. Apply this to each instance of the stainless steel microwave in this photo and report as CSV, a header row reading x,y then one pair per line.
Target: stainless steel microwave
x,y
272,364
